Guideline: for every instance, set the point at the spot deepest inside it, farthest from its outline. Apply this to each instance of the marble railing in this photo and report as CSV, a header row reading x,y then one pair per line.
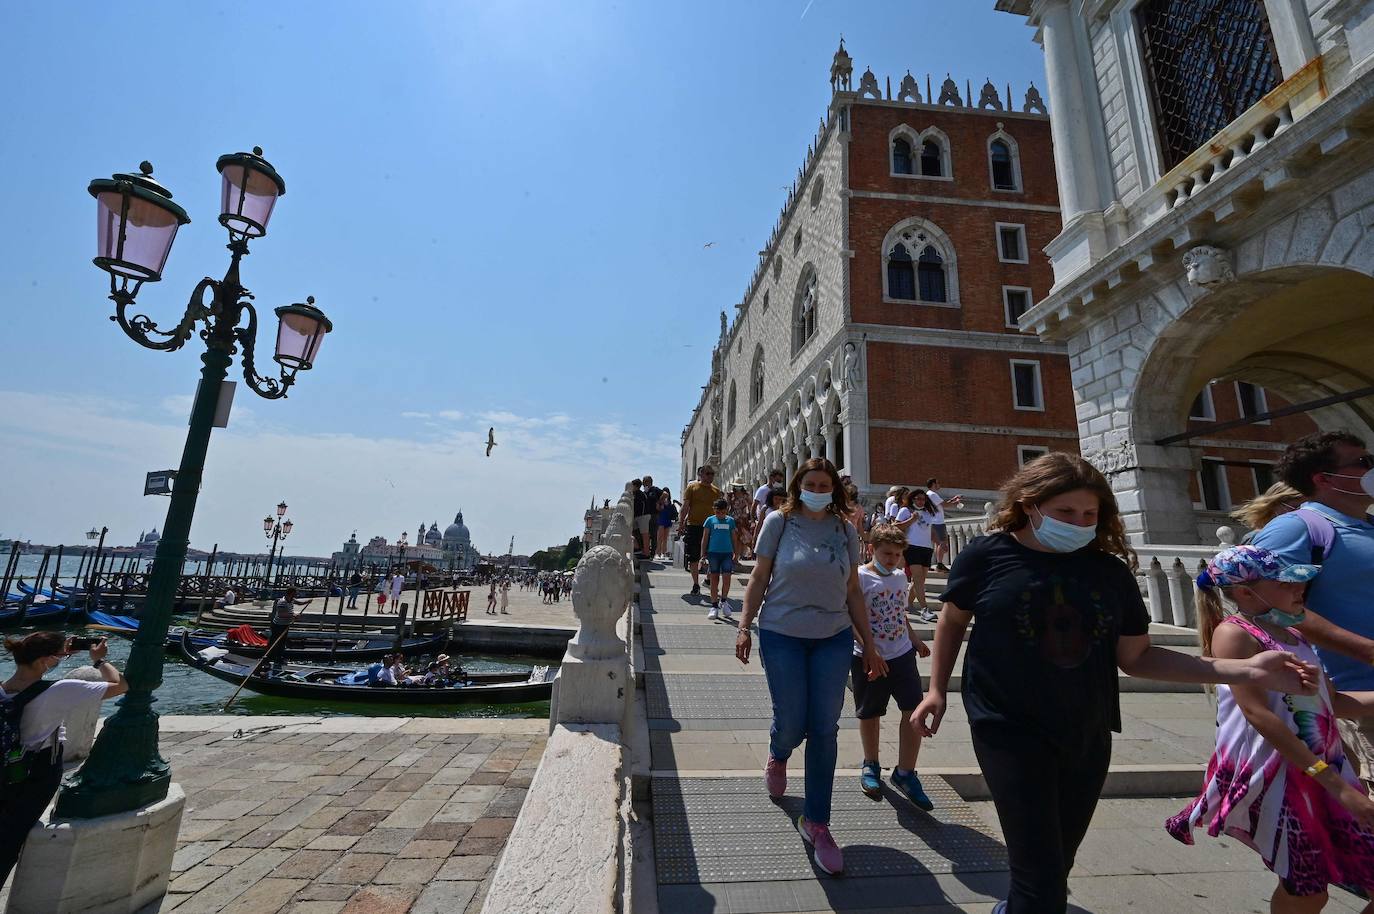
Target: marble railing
x,y
1166,573
573,846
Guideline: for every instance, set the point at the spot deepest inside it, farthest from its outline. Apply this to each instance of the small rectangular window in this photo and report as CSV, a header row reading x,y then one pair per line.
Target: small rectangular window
x,y
1252,400
1203,408
1017,301
1212,483
1025,453
1026,389
1011,243
1264,476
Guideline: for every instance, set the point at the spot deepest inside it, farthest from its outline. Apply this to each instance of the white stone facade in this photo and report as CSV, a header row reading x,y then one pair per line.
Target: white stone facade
x,y
1250,260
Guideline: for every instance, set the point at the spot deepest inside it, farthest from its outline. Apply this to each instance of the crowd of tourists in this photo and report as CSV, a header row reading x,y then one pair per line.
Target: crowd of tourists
x,y
1285,621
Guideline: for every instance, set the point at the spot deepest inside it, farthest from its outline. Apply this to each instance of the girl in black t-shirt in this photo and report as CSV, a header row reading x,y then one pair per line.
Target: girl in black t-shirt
x,y
1058,613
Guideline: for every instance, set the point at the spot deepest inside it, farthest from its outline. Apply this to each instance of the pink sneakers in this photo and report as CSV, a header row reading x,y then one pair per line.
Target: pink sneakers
x,y
829,858
775,777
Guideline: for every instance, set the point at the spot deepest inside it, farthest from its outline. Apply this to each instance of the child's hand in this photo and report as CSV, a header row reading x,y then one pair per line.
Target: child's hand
x,y
1282,672
1357,804
922,649
874,663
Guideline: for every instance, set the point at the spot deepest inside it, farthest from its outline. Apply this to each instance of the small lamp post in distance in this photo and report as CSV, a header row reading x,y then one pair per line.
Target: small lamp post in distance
x,y
276,530
137,221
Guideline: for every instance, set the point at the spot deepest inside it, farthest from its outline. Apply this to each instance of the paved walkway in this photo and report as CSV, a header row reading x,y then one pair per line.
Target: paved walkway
x,y
310,815
722,846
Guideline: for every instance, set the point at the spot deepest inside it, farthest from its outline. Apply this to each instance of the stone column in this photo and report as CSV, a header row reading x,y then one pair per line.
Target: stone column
x,y
1071,115
854,409
818,445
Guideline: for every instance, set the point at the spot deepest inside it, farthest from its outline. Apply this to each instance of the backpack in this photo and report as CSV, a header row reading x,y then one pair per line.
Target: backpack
x,y
16,768
1321,533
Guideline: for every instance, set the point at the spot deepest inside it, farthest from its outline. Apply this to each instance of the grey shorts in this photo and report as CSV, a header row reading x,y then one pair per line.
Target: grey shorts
x,y
937,533
1358,738
642,523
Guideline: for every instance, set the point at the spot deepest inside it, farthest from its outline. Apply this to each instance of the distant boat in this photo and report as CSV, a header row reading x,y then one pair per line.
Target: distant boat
x,y
335,684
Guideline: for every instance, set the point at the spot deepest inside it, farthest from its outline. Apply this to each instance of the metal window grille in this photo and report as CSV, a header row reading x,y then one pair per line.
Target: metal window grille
x,y
1208,62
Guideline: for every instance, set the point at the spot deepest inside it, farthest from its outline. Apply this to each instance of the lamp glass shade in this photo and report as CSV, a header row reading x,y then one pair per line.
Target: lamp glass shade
x,y
267,525
300,333
286,528
247,196
134,235
281,508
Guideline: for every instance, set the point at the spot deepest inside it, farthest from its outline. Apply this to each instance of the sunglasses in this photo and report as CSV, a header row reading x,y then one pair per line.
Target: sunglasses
x,y
1365,461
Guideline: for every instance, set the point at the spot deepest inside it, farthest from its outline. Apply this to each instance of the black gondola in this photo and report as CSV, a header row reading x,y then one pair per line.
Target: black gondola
x,y
320,683
316,646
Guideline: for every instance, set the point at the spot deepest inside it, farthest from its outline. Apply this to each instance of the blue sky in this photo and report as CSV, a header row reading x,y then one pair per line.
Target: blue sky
x,y
501,205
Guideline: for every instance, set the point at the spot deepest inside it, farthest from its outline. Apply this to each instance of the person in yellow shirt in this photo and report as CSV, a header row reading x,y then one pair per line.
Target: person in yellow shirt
x,y
698,501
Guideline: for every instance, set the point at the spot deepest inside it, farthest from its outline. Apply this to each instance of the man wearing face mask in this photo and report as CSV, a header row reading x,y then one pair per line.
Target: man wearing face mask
x,y
1335,473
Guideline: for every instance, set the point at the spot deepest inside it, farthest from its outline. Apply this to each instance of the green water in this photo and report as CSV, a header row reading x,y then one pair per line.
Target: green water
x,y
186,690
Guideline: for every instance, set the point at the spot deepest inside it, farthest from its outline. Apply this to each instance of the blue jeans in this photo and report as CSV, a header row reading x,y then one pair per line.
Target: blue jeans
x,y
806,678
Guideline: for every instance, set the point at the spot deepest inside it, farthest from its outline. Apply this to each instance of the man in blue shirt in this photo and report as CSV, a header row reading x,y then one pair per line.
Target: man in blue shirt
x,y
1335,471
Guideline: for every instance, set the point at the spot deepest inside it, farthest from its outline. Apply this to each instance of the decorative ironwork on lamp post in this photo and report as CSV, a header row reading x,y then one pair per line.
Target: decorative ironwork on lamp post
x,y
136,225
276,530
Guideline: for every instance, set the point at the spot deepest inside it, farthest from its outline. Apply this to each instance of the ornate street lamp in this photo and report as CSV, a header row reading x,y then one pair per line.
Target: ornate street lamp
x,y
275,530
137,221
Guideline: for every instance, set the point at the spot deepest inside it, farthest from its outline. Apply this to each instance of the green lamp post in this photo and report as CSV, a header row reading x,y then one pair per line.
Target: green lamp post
x,y
136,225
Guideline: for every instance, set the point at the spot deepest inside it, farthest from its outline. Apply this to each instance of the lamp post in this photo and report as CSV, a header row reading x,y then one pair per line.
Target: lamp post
x,y
276,530
403,542
136,225
94,568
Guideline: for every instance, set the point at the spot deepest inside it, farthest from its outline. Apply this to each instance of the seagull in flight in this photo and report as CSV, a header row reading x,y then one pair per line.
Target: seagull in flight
x,y
491,440
709,244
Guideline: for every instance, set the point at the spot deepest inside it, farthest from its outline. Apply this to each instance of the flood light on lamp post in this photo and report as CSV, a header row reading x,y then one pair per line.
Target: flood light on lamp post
x,y
137,221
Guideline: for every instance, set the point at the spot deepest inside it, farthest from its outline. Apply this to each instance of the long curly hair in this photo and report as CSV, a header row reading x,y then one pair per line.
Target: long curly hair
x,y
839,501
1054,474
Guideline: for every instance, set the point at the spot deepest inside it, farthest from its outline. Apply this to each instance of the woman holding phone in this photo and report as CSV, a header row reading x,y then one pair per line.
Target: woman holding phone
x,y
33,709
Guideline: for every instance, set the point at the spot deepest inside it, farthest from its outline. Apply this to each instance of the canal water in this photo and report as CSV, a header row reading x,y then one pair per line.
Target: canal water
x,y
186,690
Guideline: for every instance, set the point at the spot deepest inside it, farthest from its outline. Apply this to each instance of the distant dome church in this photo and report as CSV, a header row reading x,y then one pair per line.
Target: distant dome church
x,y
450,549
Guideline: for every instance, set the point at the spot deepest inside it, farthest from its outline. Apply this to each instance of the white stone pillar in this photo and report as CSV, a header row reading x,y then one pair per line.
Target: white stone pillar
x,y
1071,113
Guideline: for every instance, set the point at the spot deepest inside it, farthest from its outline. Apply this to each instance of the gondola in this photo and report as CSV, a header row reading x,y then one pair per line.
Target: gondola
x,y
323,683
319,647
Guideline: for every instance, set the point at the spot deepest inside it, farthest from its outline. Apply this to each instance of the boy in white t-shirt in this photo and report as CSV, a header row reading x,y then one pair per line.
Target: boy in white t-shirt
x,y
885,593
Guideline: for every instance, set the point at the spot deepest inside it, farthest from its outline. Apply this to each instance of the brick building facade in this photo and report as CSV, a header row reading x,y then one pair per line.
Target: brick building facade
x,y
880,326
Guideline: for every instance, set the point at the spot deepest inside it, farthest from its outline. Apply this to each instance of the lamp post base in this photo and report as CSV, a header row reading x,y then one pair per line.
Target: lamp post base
x,y
115,864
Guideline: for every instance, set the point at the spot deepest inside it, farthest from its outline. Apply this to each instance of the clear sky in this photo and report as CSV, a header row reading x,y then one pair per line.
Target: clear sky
x,y
502,205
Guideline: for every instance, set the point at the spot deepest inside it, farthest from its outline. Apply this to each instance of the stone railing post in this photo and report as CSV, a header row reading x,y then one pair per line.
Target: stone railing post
x,y
593,681
1157,592
1181,593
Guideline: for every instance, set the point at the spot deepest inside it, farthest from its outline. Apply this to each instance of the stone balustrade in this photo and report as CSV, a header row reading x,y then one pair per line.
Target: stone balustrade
x,y
573,845
1165,576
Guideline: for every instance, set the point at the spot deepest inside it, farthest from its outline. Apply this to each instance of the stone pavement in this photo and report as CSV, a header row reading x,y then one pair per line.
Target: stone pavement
x,y
721,846
312,815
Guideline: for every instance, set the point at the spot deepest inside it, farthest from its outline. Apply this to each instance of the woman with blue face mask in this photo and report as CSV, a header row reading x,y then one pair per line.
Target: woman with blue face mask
x,y
805,592
1059,612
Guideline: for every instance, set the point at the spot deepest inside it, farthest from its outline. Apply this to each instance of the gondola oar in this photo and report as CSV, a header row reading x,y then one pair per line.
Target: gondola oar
x,y
261,660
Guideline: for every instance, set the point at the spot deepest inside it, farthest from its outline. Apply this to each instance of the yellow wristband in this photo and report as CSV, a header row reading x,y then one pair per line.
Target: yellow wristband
x,y
1318,768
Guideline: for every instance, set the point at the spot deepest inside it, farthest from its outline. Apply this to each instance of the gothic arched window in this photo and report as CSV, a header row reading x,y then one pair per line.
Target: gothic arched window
x,y
1002,161
932,159
901,274
919,265
756,379
930,271
901,156
804,321
730,409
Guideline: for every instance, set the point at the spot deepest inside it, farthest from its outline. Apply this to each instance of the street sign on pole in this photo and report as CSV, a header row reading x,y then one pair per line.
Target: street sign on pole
x,y
159,482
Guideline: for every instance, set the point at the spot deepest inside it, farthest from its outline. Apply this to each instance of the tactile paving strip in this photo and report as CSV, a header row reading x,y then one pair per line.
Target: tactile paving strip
x,y
712,830
706,638
688,696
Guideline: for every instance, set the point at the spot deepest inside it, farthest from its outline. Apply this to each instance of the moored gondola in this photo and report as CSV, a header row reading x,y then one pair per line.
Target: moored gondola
x,y
323,683
318,647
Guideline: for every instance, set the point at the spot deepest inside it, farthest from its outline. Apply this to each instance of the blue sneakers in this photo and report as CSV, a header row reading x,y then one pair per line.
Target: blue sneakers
x,y
871,780
909,785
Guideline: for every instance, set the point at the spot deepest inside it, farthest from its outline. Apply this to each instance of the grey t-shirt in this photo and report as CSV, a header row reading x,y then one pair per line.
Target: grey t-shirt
x,y
812,560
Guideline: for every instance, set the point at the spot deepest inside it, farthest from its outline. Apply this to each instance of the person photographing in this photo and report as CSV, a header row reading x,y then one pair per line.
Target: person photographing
x,y
32,713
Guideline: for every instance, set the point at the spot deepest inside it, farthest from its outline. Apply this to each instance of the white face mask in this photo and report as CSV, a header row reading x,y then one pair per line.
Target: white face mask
x,y
1366,483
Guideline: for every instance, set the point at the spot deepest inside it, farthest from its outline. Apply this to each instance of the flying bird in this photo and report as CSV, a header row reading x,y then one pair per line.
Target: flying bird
x,y
709,244
491,440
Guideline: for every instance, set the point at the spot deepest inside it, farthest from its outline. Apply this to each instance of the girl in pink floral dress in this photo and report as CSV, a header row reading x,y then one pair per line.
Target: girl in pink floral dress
x,y
1279,780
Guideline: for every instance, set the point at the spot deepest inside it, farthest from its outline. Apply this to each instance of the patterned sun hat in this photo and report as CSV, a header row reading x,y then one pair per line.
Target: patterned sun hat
x,y
1240,564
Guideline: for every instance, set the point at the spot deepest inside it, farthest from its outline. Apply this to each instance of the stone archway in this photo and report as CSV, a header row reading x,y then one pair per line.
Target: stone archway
x,y
1303,331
